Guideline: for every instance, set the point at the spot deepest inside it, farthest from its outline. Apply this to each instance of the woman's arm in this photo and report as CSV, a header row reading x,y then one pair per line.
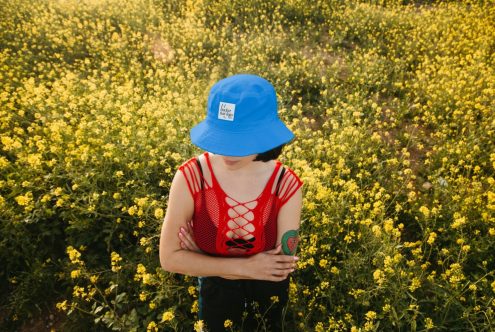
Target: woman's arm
x,y
264,266
288,223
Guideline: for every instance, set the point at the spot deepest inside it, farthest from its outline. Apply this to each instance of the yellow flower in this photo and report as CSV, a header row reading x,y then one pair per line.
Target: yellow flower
x,y
24,200
141,269
167,316
198,326
274,299
370,315
58,191
195,306
159,213
78,291
458,221
62,305
369,326
141,202
376,230
379,276
115,259
132,210
431,238
91,292
148,279
415,284
228,323
143,241
74,255
429,323
425,211
388,225
34,160
491,200
75,273
152,326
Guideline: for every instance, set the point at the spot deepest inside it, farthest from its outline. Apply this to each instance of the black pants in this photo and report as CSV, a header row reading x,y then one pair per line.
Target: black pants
x,y
249,304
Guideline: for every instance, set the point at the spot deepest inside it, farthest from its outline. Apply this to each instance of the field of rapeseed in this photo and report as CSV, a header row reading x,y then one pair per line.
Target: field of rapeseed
x,y
392,103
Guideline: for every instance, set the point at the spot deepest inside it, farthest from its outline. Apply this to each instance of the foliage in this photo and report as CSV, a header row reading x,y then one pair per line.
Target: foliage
x,y
392,106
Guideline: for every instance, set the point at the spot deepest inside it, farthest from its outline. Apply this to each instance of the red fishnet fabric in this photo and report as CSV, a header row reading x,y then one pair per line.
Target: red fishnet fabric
x,y
223,226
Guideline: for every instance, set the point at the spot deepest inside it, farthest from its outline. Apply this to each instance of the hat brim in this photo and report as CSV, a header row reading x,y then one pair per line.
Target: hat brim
x,y
239,144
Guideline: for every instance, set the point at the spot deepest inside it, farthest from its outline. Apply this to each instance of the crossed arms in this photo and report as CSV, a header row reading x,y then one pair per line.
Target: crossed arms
x,y
184,259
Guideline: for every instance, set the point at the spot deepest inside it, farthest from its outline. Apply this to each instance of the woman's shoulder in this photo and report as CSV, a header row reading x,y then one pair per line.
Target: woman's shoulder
x,y
193,160
192,173
288,183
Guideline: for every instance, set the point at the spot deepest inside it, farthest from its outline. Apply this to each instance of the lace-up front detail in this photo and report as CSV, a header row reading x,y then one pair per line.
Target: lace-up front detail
x,y
224,226
240,224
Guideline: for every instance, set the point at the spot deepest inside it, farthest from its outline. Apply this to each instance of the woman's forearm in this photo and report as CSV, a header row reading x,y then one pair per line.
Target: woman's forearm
x,y
267,265
198,264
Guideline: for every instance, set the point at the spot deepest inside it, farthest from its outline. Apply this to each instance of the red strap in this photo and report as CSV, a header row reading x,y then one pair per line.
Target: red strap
x,y
192,176
289,186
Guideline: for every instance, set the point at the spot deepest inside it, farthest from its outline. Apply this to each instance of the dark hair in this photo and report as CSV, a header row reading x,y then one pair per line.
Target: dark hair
x,y
270,154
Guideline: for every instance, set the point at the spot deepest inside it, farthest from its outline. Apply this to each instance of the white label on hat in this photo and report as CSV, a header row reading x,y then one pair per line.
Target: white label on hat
x,y
226,111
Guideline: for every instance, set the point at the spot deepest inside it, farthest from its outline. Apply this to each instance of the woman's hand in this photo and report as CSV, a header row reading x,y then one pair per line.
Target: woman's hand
x,y
186,237
270,265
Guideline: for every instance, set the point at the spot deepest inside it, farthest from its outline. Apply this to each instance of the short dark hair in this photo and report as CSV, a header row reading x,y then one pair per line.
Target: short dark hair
x,y
270,154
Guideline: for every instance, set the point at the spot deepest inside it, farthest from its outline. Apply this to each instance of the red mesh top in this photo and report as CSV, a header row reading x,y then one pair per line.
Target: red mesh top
x,y
223,226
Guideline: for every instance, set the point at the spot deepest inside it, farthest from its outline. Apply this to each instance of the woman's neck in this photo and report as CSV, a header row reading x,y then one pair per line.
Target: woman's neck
x,y
240,166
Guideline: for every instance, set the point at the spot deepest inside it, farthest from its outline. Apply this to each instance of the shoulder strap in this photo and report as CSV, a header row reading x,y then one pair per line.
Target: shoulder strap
x,y
278,181
289,184
201,171
193,174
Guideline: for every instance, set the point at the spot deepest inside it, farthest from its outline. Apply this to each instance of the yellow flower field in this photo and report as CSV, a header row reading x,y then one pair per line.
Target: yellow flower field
x,y
392,104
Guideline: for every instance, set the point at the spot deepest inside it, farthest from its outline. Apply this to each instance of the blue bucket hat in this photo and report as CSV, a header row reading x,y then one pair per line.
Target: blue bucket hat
x,y
241,118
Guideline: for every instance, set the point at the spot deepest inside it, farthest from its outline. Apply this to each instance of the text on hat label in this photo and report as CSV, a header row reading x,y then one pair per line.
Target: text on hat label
x,y
226,111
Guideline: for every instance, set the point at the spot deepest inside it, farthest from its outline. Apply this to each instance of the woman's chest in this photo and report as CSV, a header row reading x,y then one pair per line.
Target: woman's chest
x,y
227,227
245,188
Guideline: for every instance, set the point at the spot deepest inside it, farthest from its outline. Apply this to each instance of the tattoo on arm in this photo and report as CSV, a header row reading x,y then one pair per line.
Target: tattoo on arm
x,y
290,239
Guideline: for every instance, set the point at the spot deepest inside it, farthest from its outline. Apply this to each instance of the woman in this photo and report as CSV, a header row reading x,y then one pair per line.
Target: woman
x,y
234,211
